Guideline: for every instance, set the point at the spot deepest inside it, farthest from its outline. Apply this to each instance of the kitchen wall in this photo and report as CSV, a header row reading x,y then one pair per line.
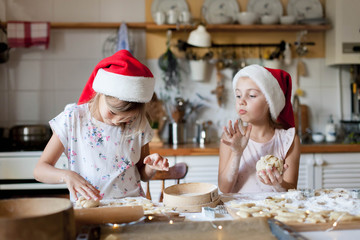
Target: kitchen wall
x,y
35,85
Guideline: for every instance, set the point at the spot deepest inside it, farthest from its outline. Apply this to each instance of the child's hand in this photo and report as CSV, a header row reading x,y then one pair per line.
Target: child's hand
x,y
157,162
235,138
271,176
77,184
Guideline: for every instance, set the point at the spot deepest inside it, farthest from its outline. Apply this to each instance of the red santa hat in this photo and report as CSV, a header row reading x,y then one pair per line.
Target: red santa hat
x,y
275,84
121,76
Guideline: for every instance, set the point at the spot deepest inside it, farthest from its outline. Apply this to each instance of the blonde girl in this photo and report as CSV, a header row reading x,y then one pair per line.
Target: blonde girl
x,y
263,102
105,136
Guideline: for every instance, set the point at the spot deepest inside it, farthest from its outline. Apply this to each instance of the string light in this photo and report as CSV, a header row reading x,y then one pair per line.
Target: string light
x,y
150,218
115,226
335,223
171,222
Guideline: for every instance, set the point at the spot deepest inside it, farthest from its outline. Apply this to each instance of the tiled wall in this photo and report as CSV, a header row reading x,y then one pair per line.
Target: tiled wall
x,y
35,85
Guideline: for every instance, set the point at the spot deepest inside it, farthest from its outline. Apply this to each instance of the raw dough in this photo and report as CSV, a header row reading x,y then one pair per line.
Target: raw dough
x,y
84,203
268,162
294,207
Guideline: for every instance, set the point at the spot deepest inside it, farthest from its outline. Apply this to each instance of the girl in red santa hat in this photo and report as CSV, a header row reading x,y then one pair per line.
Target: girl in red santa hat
x,y
105,136
263,101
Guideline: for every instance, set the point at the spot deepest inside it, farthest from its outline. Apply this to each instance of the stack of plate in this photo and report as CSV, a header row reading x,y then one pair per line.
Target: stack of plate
x,y
191,197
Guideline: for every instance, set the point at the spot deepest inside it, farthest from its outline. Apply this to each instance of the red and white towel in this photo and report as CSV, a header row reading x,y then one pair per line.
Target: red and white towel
x,y
28,34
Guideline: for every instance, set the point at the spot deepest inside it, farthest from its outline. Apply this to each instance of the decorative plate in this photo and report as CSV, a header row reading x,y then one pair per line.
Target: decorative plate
x,y
220,11
305,9
265,7
166,5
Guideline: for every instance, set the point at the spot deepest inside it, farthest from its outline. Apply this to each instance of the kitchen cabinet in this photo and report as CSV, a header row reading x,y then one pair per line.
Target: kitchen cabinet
x,y
337,170
329,170
342,41
306,171
201,168
16,171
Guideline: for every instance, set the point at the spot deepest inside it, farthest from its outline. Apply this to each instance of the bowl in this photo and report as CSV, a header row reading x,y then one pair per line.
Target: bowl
x,y
247,18
318,137
287,20
199,37
269,19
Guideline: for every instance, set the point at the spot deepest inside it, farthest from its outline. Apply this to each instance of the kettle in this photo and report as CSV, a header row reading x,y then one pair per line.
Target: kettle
x,y
202,132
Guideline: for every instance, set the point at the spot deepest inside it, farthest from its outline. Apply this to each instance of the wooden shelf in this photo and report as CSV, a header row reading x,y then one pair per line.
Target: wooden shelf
x,y
238,27
211,27
139,25
84,25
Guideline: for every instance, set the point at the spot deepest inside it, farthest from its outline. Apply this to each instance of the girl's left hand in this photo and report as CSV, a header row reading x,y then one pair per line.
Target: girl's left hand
x,y
157,162
271,176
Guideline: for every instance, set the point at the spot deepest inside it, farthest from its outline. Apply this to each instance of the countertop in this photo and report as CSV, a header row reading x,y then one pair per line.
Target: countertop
x,y
212,149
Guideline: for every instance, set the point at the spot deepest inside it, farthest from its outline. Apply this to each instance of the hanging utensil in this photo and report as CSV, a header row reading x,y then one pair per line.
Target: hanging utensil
x,y
301,71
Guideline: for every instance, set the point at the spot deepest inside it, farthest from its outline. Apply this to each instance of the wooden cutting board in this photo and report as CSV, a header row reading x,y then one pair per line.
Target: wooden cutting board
x,y
101,215
303,227
304,118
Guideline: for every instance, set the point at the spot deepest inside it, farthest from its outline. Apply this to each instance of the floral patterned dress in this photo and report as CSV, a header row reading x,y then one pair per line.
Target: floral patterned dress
x,y
104,155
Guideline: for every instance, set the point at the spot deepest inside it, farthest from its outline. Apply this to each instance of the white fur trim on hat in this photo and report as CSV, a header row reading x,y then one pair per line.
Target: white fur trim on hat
x,y
126,88
268,85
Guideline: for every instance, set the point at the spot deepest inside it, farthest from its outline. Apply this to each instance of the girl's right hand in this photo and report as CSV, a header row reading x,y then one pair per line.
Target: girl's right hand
x,y
235,138
77,184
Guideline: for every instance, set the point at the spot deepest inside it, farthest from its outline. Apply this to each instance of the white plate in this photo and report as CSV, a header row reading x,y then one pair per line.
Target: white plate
x,y
166,5
220,11
265,7
305,9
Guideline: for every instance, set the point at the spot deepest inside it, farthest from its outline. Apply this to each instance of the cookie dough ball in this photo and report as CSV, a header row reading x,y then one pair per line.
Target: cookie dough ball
x,y
268,162
84,203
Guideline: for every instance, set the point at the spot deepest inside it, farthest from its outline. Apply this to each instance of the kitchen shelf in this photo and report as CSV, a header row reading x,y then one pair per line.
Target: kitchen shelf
x,y
138,25
238,27
84,25
210,27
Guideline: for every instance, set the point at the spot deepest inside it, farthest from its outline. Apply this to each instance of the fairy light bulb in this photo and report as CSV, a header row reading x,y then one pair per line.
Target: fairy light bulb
x,y
116,226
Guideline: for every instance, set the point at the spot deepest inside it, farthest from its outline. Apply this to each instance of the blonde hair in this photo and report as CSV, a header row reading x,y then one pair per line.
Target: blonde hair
x,y
274,123
118,106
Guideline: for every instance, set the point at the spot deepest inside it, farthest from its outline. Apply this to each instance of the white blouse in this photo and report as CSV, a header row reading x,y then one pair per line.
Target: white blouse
x,y
103,154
